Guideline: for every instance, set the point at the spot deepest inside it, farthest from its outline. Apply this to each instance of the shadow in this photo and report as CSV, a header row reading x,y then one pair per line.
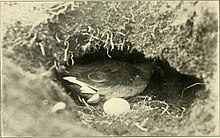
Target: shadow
x,y
167,84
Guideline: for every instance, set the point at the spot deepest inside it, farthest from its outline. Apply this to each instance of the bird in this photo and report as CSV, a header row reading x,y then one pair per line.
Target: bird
x,y
107,79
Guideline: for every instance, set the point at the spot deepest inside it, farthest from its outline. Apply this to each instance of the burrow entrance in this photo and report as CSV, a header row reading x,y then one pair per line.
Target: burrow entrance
x,y
168,94
165,83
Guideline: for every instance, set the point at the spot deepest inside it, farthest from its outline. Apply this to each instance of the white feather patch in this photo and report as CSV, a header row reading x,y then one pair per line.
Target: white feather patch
x,y
85,88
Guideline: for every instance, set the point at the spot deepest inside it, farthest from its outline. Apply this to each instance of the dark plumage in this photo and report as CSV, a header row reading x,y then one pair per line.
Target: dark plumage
x,y
111,78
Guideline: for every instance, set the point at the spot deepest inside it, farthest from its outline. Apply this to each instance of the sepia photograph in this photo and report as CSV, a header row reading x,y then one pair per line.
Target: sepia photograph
x,y
109,68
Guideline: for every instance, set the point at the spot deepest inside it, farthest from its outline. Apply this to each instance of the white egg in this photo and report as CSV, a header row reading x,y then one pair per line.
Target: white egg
x,y
116,106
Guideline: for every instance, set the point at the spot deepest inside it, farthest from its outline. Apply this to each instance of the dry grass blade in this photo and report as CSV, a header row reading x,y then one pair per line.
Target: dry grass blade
x,y
191,87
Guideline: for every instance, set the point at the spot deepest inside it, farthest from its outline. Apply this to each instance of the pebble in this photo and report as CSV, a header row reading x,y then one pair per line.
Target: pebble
x,y
58,106
116,106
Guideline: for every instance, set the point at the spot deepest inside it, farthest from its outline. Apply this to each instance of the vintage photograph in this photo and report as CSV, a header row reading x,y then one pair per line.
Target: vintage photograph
x,y
109,68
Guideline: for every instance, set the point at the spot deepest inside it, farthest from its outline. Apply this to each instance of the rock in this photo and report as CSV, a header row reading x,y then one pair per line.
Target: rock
x,y
58,106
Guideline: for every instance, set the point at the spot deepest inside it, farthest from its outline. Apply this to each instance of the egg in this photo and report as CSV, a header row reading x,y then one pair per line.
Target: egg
x,y
116,106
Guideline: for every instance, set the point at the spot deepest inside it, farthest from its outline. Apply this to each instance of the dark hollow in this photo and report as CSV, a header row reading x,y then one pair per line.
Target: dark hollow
x,y
165,84
134,57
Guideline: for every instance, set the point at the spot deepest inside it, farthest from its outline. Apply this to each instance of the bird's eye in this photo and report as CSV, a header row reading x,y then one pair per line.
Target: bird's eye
x,y
137,68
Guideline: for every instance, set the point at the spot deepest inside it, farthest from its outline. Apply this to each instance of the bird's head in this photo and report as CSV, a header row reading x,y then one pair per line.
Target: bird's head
x,y
144,70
